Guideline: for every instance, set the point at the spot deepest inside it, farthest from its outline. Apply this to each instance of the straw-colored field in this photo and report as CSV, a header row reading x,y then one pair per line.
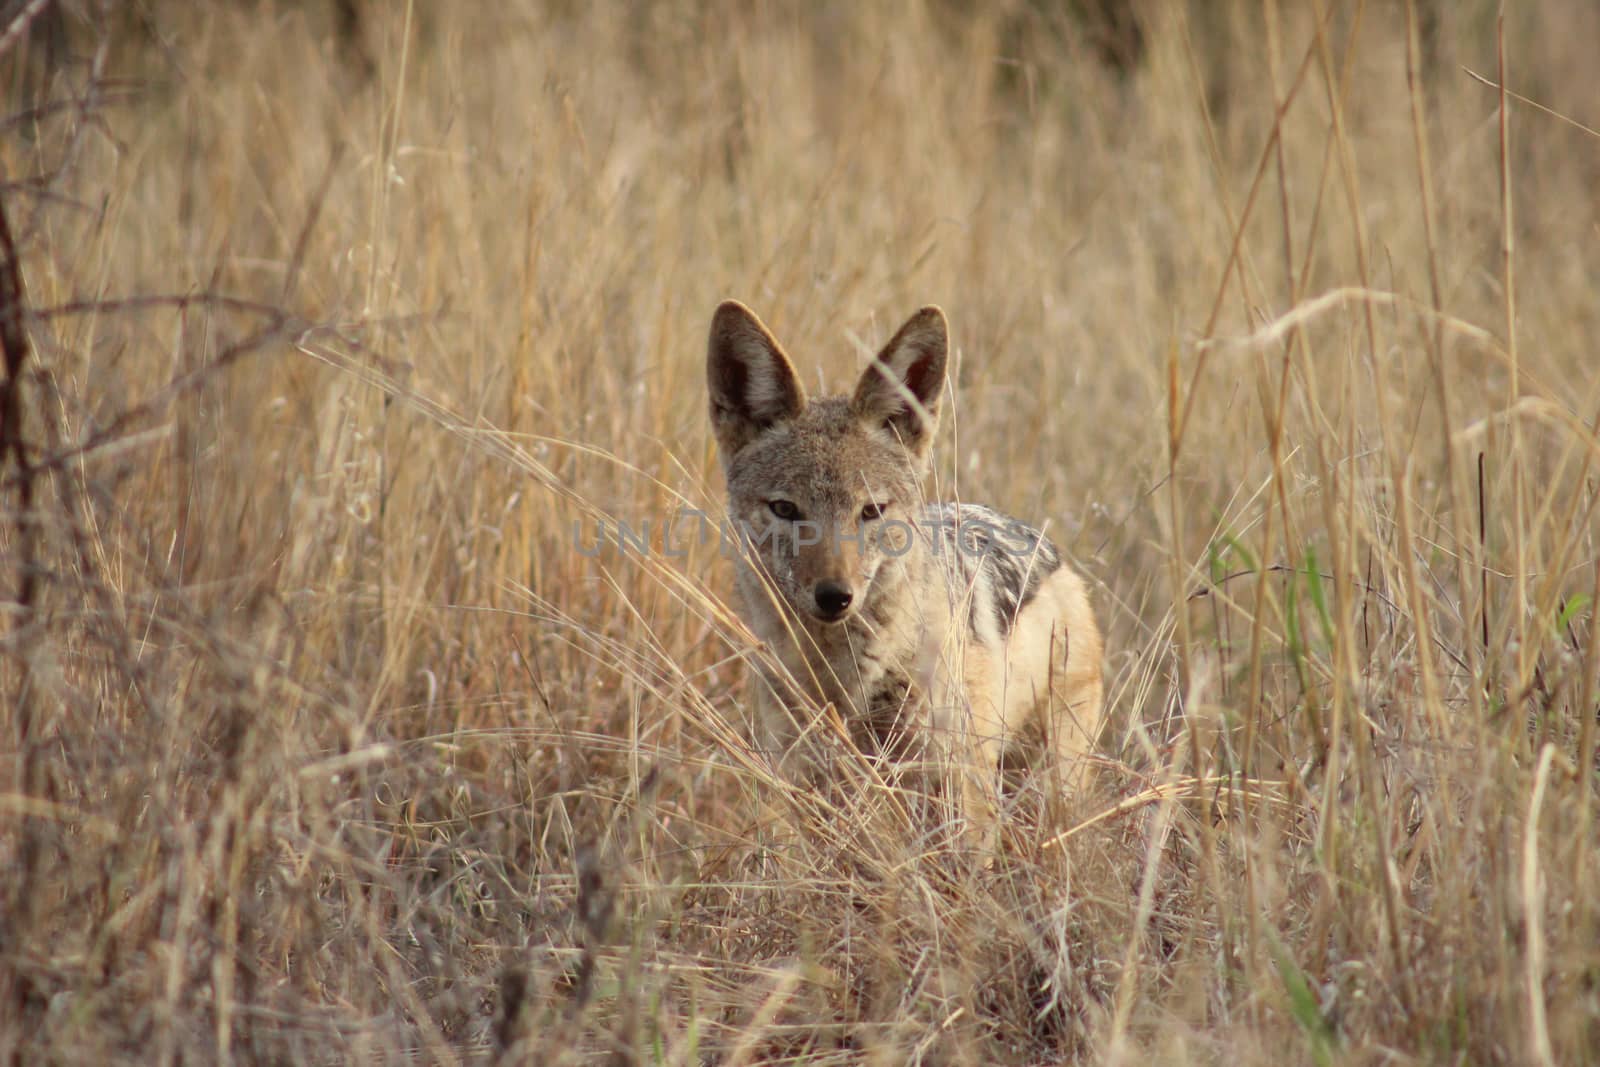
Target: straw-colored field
x,y
331,734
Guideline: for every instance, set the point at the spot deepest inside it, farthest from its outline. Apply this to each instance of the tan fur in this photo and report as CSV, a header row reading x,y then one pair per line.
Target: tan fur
x,y
973,647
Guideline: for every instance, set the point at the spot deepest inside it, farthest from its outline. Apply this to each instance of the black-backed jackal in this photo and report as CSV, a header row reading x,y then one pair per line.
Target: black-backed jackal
x,y
939,631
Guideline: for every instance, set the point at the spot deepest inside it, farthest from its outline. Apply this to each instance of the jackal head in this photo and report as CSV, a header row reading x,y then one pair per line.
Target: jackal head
x,y
824,490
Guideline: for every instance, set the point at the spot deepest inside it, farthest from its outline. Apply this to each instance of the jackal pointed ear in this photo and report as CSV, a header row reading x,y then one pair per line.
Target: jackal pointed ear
x,y
900,388
753,385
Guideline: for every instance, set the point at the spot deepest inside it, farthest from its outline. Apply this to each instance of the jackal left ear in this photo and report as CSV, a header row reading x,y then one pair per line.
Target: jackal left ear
x,y
900,388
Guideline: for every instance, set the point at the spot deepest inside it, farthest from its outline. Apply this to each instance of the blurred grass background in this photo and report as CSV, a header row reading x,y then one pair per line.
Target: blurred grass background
x,y
349,321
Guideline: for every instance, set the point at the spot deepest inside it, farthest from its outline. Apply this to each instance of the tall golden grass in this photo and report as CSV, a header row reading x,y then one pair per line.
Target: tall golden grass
x,y
333,735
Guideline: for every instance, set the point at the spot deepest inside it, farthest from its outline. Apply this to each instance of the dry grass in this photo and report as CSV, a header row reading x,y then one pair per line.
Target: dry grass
x,y
328,743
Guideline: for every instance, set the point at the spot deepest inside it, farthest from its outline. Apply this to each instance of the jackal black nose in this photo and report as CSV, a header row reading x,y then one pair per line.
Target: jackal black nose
x,y
833,599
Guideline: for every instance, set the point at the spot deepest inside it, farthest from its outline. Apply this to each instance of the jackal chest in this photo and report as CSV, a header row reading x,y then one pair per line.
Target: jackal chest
x,y
876,669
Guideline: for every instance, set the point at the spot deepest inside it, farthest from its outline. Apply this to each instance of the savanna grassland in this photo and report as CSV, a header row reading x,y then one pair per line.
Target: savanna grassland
x,y
335,331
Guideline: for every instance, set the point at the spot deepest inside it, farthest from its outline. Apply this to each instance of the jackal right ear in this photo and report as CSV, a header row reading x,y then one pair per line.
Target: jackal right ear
x,y
753,386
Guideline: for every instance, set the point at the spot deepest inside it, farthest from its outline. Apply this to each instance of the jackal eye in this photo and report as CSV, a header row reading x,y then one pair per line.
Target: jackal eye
x,y
784,509
873,512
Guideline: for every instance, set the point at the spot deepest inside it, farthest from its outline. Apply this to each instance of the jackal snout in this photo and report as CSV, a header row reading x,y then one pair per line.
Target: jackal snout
x,y
833,598
830,579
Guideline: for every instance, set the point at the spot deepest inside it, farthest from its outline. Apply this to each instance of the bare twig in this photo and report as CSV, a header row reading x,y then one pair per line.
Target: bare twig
x,y
20,23
14,343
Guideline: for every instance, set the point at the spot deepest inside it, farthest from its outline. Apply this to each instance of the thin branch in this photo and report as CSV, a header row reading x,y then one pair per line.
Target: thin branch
x,y
19,25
